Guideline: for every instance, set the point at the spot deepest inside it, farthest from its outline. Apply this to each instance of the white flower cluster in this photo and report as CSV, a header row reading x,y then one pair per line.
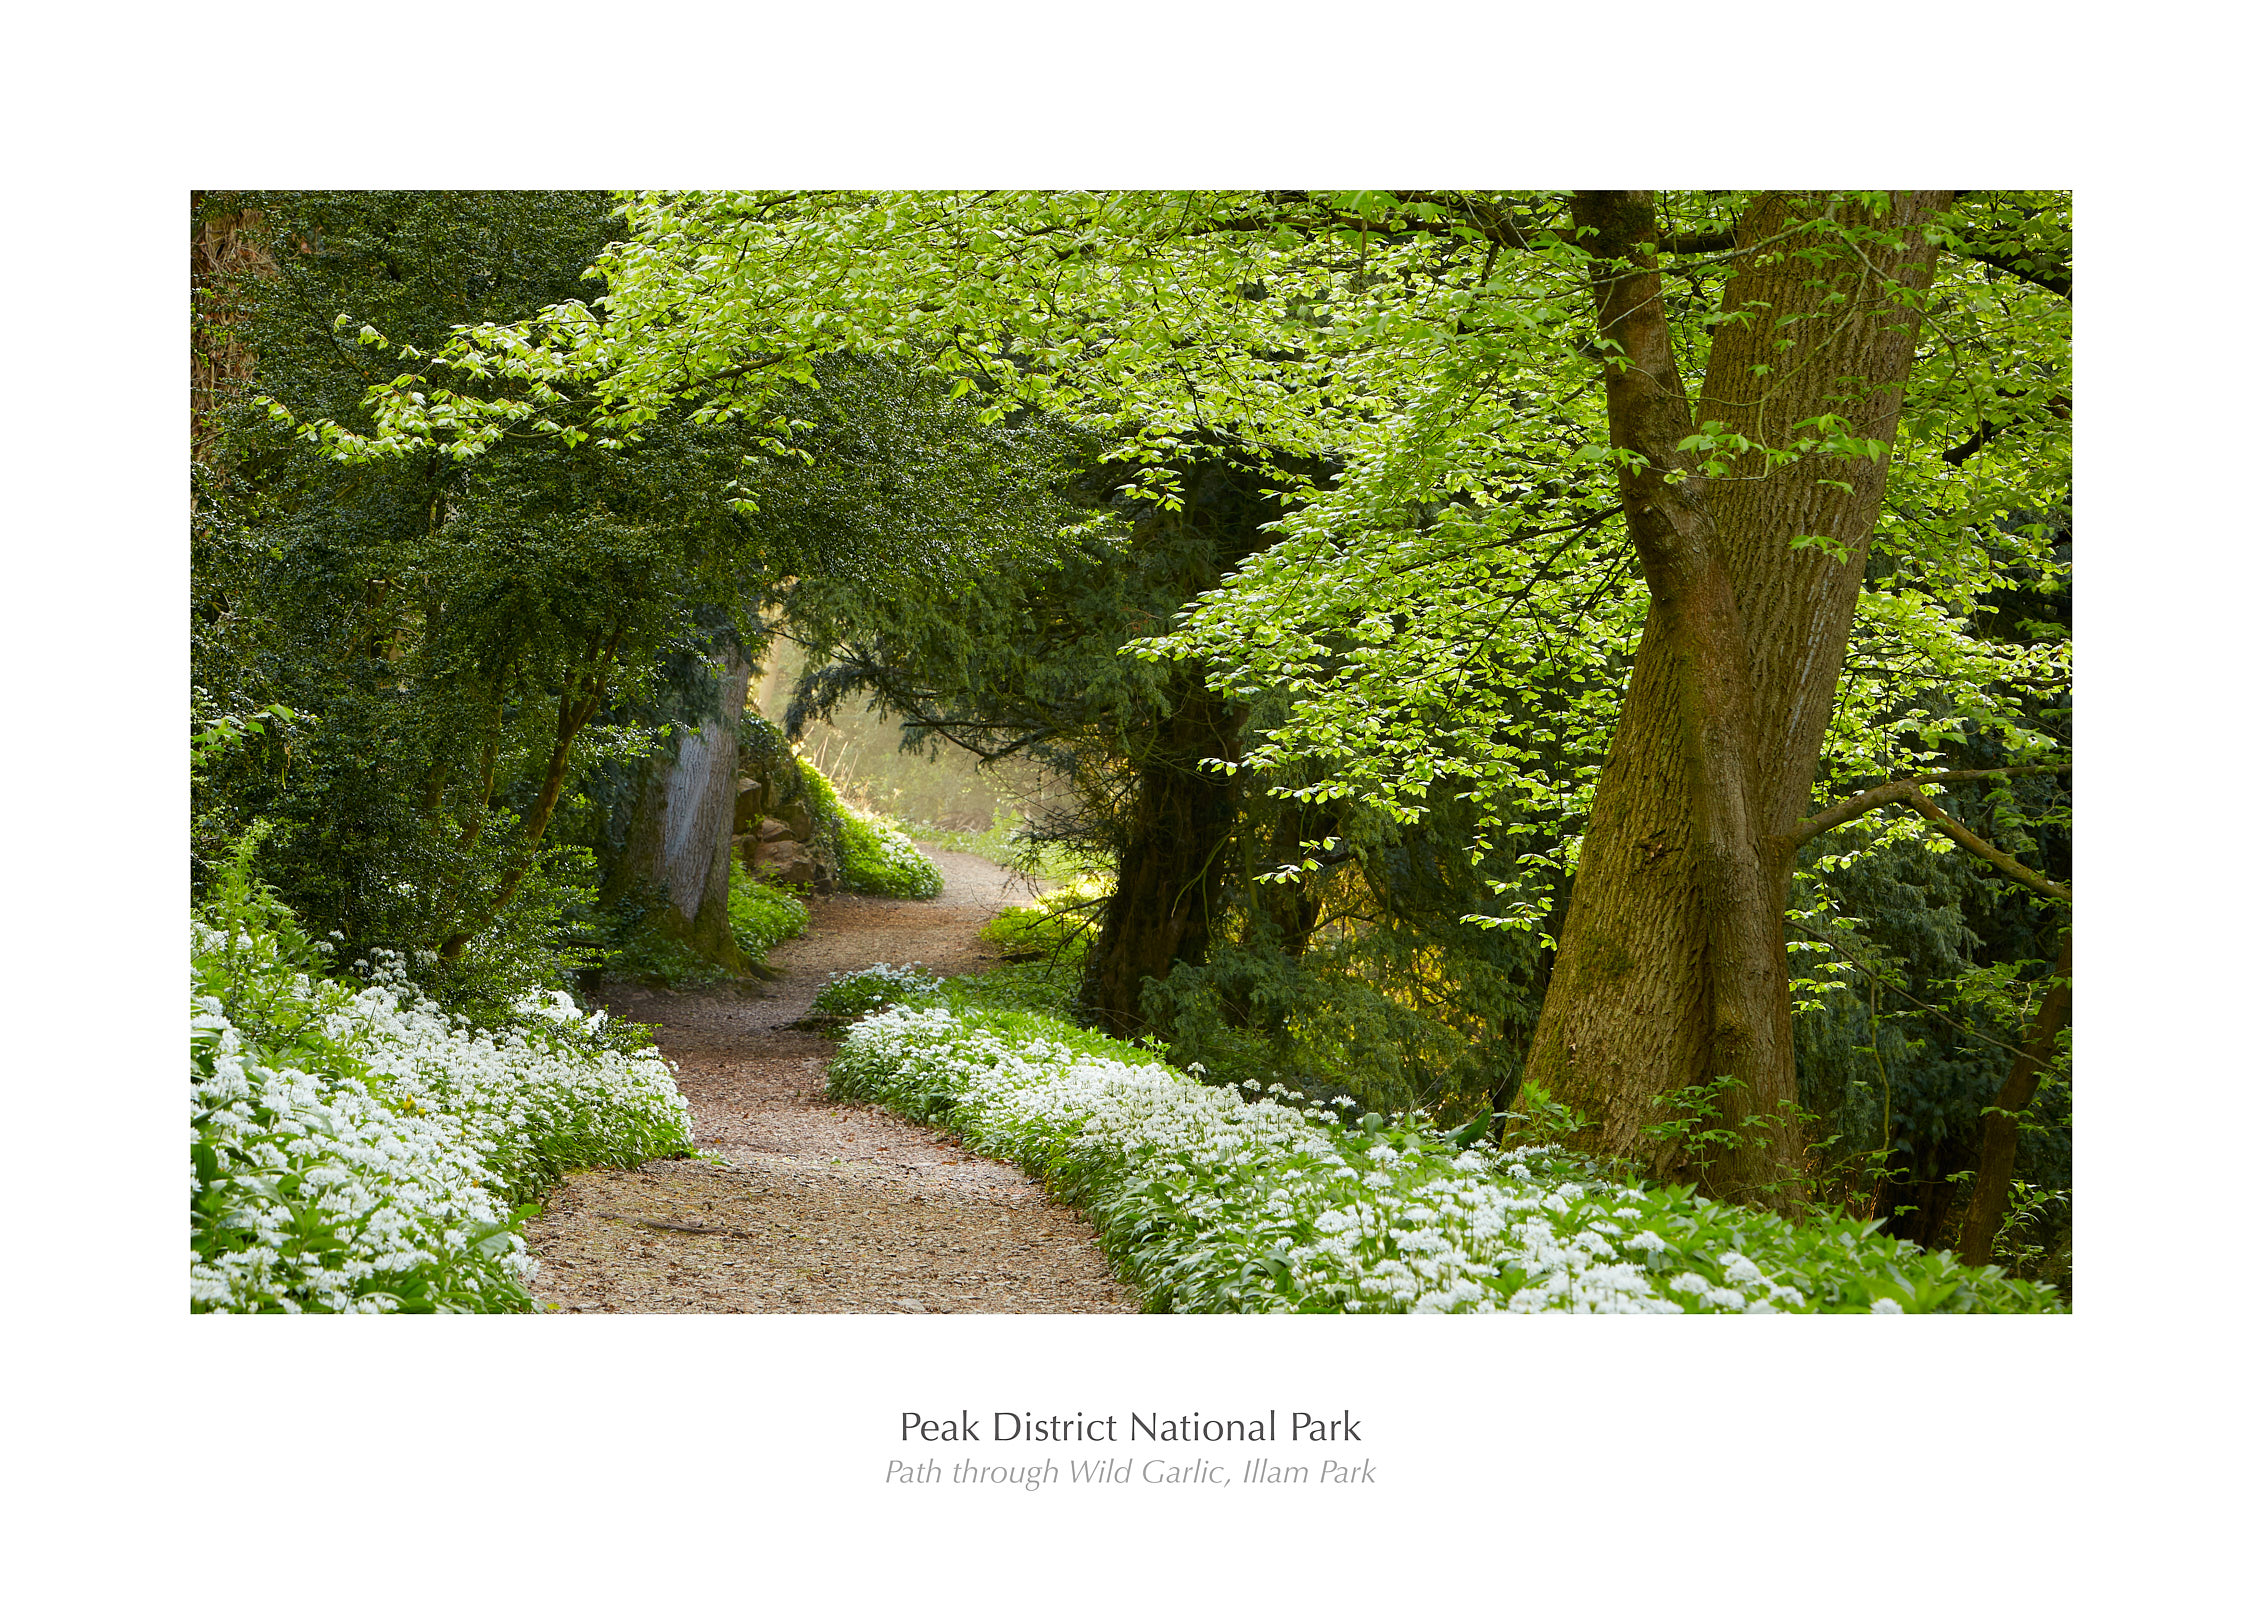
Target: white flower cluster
x,y
902,855
1215,1202
524,1094
364,1154
911,978
875,988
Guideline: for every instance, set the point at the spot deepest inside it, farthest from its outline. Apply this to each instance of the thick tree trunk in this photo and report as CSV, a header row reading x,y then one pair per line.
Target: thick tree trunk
x,y
1672,970
1999,1128
1172,871
678,851
1174,860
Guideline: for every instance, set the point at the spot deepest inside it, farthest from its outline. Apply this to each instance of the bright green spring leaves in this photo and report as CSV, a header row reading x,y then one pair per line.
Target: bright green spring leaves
x,y
1449,607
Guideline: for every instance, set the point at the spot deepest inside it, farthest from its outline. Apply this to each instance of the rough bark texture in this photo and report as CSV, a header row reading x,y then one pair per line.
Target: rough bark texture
x,y
1999,1129
223,251
1175,855
1672,969
679,842
1172,869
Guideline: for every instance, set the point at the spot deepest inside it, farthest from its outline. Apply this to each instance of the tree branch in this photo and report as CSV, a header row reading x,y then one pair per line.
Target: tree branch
x,y
1868,971
2006,864
1475,218
2054,275
2059,406
1900,791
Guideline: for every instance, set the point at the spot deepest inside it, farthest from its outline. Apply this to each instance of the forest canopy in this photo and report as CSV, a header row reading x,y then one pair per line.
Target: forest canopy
x,y
1595,662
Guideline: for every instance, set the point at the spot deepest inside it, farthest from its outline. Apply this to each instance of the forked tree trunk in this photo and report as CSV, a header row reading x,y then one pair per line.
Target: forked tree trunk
x,y
1672,970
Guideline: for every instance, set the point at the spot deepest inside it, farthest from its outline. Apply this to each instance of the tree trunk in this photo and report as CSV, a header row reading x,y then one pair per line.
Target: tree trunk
x,y
678,851
1999,1127
223,250
1174,859
1672,970
1172,870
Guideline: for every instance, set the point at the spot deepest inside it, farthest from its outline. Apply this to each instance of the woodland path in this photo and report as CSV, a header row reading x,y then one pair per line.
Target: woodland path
x,y
802,1204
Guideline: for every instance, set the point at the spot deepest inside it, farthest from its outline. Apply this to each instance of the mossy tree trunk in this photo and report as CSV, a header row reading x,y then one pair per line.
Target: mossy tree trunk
x,y
677,856
1672,970
1171,871
1174,855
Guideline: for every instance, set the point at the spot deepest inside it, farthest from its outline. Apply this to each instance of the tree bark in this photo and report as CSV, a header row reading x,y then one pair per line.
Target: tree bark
x,y
1999,1125
678,850
1173,864
223,250
1672,970
1171,873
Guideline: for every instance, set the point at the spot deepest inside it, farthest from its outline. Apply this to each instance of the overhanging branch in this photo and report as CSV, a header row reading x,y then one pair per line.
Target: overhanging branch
x,y
1911,792
2004,863
1899,793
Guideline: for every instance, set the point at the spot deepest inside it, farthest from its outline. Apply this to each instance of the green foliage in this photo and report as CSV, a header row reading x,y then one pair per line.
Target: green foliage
x,y
643,950
1447,600
449,638
995,844
762,915
1041,988
1381,965
362,1150
875,989
1241,1200
1914,971
1421,644
1056,928
1008,842
875,856
1044,948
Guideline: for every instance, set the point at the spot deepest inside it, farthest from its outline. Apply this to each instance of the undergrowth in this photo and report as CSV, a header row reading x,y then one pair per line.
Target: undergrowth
x,y
763,916
875,856
1234,1198
876,988
352,1147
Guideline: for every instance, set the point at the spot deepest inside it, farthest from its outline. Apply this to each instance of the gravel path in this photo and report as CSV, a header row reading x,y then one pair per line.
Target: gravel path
x,y
802,1204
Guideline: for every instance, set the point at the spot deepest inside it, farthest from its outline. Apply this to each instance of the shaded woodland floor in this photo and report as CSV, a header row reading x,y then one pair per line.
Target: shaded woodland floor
x,y
801,1204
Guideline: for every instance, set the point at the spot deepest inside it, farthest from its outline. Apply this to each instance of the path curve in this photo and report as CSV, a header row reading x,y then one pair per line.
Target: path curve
x,y
800,1204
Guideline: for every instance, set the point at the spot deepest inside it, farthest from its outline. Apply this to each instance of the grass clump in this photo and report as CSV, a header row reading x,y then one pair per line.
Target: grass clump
x,y
763,916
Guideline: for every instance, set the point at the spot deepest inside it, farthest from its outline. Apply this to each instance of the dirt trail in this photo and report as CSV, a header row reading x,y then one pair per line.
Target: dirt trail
x,y
802,1204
